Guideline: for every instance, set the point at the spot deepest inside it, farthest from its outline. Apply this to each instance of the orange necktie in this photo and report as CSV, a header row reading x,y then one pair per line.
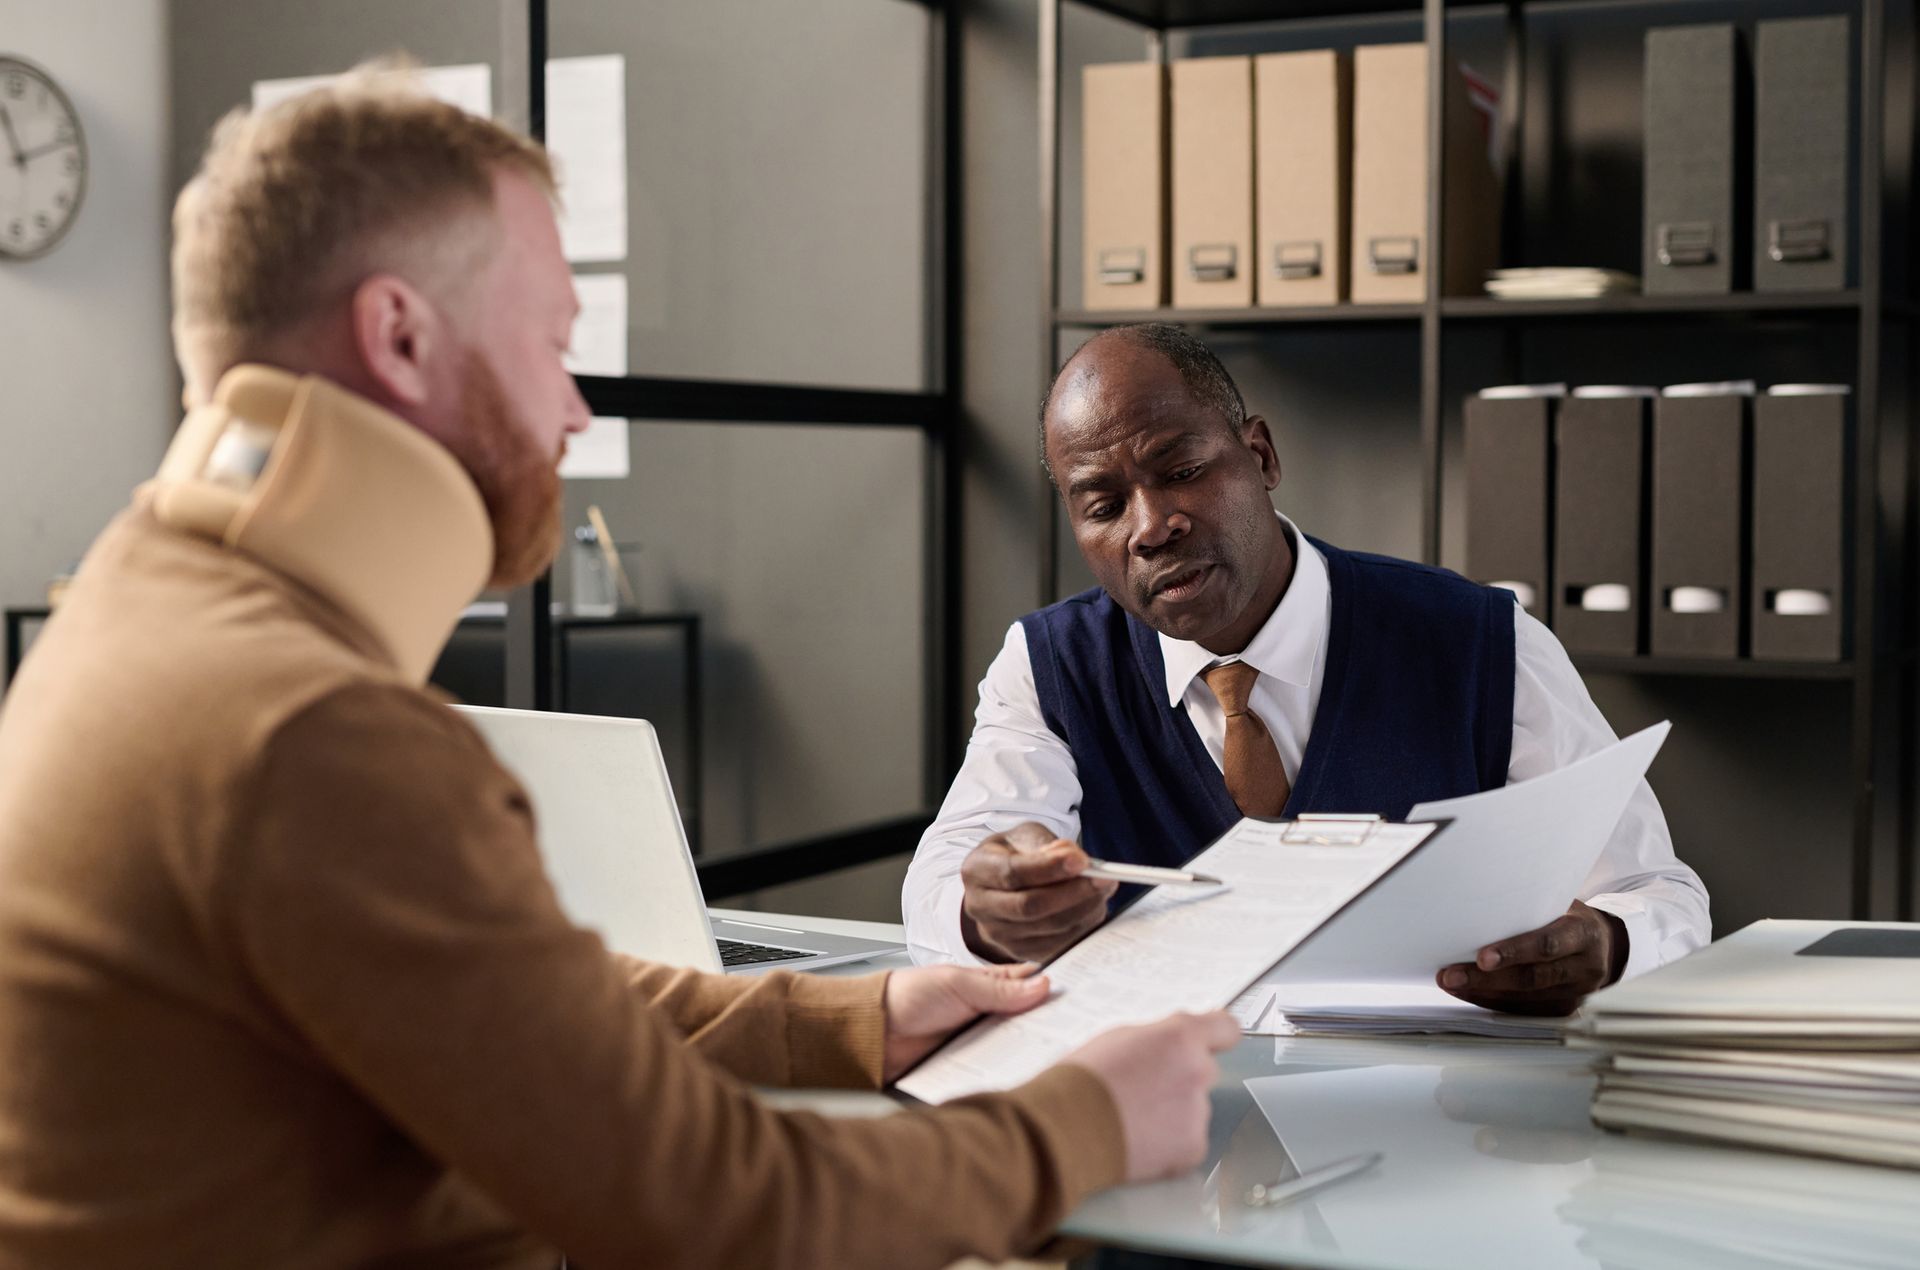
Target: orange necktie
x,y
1255,776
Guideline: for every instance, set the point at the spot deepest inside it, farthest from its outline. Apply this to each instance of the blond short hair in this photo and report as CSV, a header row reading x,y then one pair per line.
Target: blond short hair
x,y
294,206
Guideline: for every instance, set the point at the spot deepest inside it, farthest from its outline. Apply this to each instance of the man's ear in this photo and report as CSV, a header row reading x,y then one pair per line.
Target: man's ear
x,y
396,334
1259,439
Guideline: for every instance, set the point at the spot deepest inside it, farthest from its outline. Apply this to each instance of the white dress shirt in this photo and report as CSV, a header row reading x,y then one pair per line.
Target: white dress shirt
x,y
1016,769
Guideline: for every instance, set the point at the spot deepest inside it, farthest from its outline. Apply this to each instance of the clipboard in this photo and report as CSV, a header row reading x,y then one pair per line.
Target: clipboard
x,y
1167,951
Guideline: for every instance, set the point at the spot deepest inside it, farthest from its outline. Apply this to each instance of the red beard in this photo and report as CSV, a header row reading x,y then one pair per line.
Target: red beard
x,y
519,484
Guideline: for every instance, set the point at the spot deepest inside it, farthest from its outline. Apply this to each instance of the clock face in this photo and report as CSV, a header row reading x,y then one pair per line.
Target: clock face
x,y
43,161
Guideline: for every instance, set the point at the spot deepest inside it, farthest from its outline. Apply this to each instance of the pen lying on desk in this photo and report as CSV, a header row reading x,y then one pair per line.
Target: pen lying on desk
x,y
1145,874
1269,1194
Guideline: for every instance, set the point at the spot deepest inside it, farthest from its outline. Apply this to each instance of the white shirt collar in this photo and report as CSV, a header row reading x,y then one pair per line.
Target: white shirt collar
x,y
1286,648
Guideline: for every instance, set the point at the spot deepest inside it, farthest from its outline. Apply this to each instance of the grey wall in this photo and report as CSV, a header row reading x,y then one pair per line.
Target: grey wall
x,y
777,226
218,48
84,358
801,551
1005,337
775,179
778,222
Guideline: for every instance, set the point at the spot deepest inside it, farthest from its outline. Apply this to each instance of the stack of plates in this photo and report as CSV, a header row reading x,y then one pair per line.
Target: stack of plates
x,y
1559,283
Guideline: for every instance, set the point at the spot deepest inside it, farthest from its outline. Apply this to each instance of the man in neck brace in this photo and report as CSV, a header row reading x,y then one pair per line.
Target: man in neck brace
x,y
282,982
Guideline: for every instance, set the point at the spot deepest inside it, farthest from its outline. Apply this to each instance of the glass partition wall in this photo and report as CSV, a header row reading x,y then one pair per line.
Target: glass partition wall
x,y
758,206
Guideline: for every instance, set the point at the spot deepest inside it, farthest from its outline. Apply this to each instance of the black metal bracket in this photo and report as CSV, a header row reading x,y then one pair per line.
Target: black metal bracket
x,y
795,861
724,401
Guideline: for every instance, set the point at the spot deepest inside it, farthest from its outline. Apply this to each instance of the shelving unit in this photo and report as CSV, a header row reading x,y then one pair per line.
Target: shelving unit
x,y
1879,673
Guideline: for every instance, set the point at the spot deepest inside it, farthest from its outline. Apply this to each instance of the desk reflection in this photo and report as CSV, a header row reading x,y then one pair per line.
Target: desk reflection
x,y
1490,1161
1647,1208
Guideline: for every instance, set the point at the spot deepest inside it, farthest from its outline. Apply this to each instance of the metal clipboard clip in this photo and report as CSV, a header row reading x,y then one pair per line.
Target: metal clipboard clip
x,y
1314,830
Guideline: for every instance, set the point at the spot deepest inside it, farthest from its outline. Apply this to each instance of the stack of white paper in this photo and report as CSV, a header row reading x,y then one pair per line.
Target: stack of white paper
x,y
1371,1009
1559,283
1379,1009
1799,1036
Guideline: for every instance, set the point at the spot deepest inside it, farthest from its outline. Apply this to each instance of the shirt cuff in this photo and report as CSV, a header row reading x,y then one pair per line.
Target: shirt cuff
x,y
946,945
1643,942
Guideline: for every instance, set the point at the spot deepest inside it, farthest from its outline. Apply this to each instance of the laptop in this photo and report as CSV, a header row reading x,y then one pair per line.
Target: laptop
x,y
617,854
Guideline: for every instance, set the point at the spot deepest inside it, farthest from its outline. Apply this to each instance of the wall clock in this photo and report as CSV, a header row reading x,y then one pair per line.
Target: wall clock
x,y
43,161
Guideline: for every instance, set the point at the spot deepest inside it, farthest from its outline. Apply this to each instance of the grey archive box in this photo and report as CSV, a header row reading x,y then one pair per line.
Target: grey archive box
x,y
1802,105
1697,125
1599,532
1802,466
1510,497
1696,596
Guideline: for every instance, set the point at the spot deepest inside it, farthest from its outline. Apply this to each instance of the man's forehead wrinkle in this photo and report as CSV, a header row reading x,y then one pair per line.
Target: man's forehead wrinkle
x,y
1111,449
1167,445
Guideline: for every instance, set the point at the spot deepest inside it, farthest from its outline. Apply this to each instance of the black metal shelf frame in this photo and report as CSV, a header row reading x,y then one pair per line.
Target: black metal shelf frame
x,y
1715,668
1305,315
1882,641
934,413
1741,306
1167,15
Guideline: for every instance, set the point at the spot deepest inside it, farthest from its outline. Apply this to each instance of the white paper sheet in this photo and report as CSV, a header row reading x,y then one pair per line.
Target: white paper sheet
x,y
1395,1009
599,347
1252,1008
587,136
468,86
1179,948
599,453
1511,861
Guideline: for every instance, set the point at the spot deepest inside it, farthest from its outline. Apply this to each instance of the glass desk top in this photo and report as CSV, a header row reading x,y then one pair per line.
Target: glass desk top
x,y
1490,1161
1490,1164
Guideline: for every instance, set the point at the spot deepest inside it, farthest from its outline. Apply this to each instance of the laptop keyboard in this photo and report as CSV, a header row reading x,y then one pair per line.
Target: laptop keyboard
x,y
733,952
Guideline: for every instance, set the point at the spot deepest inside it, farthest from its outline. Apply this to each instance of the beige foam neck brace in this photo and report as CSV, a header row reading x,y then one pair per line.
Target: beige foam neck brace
x,y
324,486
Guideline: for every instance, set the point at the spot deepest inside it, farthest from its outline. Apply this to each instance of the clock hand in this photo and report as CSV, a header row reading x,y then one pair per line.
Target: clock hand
x,y
13,138
37,151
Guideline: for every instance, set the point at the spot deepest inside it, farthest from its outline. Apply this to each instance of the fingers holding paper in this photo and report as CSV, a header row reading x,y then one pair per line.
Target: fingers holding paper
x,y
1023,897
1545,971
1158,1076
926,1005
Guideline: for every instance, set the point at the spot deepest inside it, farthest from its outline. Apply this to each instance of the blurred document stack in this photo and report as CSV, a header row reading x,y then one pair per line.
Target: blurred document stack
x,y
1381,1009
1793,1035
1560,283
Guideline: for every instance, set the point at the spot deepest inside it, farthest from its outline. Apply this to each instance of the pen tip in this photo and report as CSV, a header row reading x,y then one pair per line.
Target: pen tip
x,y
1201,877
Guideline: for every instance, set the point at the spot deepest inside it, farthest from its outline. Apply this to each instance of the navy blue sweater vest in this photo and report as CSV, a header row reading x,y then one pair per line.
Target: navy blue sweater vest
x,y
1416,703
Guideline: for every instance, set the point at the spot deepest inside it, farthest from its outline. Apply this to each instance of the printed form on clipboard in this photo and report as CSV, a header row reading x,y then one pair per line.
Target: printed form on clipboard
x,y
1179,948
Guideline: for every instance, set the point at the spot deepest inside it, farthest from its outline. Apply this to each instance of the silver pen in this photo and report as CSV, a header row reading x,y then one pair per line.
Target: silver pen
x,y
1270,1194
1145,874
